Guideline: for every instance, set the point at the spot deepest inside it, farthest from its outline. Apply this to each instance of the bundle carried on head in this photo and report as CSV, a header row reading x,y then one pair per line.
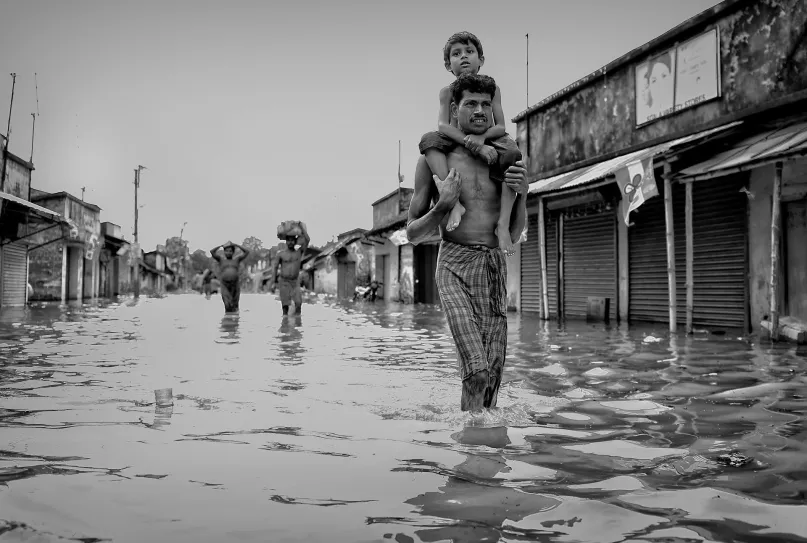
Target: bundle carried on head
x,y
289,228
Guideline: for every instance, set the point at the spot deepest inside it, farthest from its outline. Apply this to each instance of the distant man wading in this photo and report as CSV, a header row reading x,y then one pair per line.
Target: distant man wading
x,y
229,274
471,269
288,280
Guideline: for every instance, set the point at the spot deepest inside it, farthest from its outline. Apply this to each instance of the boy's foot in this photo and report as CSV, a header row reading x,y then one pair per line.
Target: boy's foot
x,y
505,243
455,216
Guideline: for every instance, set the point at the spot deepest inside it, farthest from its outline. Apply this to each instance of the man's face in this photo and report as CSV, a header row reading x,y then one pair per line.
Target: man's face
x,y
464,58
291,241
474,113
229,252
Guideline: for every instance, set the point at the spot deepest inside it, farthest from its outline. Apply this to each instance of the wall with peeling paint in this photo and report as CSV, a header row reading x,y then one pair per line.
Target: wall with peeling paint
x,y
794,187
763,56
325,277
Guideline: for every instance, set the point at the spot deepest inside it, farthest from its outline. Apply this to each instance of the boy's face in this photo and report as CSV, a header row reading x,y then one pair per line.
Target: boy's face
x,y
229,252
474,113
464,58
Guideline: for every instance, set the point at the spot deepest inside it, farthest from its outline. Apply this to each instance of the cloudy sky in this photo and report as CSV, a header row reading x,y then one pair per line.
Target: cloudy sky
x,y
248,113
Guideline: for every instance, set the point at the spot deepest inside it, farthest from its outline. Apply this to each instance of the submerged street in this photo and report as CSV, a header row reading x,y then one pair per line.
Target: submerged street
x,y
343,424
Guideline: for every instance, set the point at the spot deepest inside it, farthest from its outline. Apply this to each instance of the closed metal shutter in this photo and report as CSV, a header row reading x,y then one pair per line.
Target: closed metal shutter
x,y
551,229
589,260
531,269
647,255
719,224
14,274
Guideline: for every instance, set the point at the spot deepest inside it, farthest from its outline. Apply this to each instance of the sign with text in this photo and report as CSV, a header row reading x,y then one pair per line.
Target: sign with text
x,y
679,78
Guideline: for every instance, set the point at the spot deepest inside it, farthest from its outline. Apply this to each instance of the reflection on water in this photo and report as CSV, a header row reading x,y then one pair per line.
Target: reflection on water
x,y
229,328
345,426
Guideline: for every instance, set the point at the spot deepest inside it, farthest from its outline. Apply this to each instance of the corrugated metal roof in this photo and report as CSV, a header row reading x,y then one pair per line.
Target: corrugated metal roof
x,y
763,147
601,170
42,210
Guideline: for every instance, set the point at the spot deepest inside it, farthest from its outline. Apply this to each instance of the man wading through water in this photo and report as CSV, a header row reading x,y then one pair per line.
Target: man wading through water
x,y
230,274
288,280
471,269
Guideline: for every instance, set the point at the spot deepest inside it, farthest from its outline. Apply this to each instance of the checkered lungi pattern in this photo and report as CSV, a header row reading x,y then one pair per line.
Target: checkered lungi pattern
x,y
472,281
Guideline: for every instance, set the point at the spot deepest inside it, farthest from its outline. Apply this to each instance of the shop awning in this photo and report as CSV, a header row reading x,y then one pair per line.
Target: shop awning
x,y
783,143
601,170
37,210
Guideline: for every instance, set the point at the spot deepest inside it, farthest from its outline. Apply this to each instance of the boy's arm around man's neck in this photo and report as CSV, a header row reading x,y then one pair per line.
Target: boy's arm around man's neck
x,y
444,125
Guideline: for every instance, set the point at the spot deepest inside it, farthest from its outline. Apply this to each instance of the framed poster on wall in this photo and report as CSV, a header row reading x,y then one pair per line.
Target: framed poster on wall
x,y
679,78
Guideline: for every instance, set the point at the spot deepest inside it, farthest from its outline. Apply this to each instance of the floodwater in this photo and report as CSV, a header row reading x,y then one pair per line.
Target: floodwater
x,y
343,425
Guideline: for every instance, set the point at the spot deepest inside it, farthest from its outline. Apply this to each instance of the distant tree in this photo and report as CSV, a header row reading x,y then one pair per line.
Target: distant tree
x,y
176,247
201,260
252,243
257,252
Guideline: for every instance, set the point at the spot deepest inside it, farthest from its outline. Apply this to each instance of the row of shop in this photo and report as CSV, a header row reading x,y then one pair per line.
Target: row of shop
x,y
403,272
53,247
670,186
720,261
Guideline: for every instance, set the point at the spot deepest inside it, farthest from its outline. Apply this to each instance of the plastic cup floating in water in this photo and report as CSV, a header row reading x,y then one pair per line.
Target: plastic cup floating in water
x,y
164,397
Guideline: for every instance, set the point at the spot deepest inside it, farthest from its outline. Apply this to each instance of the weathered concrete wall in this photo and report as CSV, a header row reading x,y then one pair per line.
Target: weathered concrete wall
x,y
390,279
45,263
18,181
794,187
763,57
325,277
361,254
390,207
45,272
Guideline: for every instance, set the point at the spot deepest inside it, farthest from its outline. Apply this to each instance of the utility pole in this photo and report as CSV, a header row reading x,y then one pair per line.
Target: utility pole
x,y
400,178
8,134
33,128
137,243
82,193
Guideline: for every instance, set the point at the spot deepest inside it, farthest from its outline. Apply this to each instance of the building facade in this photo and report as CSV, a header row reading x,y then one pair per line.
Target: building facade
x,y
65,265
154,271
405,271
342,265
116,271
22,223
656,180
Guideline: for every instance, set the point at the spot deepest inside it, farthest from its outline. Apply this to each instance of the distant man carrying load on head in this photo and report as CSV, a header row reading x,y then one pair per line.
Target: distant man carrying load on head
x,y
471,270
230,274
289,260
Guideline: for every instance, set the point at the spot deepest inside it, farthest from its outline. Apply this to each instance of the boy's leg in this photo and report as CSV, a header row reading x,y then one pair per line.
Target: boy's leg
x,y
434,146
503,225
509,154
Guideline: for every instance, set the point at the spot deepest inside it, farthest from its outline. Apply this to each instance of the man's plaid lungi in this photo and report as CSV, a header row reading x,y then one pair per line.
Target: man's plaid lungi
x,y
472,281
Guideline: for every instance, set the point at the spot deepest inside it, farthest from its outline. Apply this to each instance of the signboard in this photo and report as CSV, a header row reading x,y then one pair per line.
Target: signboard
x,y
679,78
637,183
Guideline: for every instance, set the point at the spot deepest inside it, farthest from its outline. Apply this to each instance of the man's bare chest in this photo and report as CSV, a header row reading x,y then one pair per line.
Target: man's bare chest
x,y
476,183
289,257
